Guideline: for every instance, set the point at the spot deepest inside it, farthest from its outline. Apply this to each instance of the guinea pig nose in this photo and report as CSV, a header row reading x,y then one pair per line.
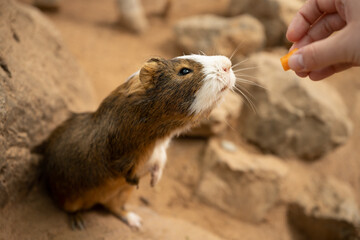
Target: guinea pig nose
x,y
226,69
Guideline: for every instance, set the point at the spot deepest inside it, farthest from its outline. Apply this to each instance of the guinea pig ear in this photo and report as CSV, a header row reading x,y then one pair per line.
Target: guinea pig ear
x,y
150,72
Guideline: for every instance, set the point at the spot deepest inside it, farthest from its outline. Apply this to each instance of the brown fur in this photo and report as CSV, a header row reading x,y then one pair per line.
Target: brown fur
x,y
92,158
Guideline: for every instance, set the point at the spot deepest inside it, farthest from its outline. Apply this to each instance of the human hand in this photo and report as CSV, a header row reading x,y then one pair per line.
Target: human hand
x,y
321,55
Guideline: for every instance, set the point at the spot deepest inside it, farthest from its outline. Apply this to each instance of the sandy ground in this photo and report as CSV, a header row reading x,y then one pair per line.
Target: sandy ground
x,y
109,54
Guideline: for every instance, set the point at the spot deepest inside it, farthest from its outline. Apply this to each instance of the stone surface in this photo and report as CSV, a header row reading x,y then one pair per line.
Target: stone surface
x,y
258,8
132,15
321,207
39,84
275,15
156,7
244,185
185,8
288,9
266,9
39,218
222,117
275,30
295,117
217,35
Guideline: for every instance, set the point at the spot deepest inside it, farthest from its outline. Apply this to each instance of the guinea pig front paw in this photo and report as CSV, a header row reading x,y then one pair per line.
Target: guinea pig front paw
x,y
156,173
133,220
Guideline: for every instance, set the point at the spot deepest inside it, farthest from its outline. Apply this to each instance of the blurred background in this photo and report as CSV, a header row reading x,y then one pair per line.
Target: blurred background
x,y
278,159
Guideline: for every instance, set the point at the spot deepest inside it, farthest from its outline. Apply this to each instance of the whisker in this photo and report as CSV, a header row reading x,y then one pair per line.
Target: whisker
x,y
244,75
244,69
234,52
236,49
201,52
246,81
246,90
237,64
249,101
230,126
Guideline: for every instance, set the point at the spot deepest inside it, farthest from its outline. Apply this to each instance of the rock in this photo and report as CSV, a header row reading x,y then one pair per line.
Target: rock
x,y
266,9
217,35
257,8
275,15
222,117
324,208
295,117
275,30
39,84
4,196
47,5
132,15
288,10
185,8
156,7
244,185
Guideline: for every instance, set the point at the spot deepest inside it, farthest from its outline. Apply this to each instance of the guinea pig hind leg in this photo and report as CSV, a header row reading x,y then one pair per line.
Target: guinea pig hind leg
x,y
116,206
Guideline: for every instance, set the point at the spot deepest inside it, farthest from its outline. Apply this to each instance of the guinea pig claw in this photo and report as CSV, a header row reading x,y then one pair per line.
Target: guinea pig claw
x,y
156,174
76,222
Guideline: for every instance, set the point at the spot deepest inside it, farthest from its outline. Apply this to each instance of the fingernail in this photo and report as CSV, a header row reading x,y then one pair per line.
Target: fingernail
x,y
296,62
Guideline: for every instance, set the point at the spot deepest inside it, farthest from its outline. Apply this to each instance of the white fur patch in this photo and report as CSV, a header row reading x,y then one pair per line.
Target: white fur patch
x,y
133,75
218,74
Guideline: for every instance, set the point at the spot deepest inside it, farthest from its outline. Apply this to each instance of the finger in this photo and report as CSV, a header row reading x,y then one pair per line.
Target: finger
x,y
308,15
328,71
321,54
302,74
349,9
322,29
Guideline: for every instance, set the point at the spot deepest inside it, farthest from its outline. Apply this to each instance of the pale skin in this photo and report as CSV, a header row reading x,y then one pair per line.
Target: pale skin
x,y
327,34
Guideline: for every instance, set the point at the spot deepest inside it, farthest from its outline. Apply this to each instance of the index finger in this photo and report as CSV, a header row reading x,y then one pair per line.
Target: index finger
x,y
307,16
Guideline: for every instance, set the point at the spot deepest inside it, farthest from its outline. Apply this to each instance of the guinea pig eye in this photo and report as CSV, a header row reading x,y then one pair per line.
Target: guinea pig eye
x,y
184,71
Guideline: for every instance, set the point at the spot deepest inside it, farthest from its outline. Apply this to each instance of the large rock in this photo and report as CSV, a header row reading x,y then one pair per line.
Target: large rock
x,y
156,7
244,185
224,116
185,8
288,9
322,208
275,30
275,15
258,8
217,35
266,9
39,83
132,15
295,117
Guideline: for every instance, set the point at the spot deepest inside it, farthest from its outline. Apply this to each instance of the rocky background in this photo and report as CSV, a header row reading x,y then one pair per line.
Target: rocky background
x,y
281,163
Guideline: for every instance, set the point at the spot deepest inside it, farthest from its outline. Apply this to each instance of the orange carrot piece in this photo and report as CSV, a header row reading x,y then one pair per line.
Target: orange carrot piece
x,y
285,59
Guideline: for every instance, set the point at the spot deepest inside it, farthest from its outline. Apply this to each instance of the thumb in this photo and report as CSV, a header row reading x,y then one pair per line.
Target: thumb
x,y
321,54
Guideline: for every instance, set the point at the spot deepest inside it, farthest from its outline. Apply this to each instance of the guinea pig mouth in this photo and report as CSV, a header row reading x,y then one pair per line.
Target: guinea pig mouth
x,y
224,88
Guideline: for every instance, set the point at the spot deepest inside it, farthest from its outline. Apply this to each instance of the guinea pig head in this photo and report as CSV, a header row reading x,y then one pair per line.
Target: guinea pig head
x,y
189,84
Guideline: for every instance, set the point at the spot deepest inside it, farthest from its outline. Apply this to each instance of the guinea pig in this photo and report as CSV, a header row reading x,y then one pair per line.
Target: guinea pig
x,y
98,157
